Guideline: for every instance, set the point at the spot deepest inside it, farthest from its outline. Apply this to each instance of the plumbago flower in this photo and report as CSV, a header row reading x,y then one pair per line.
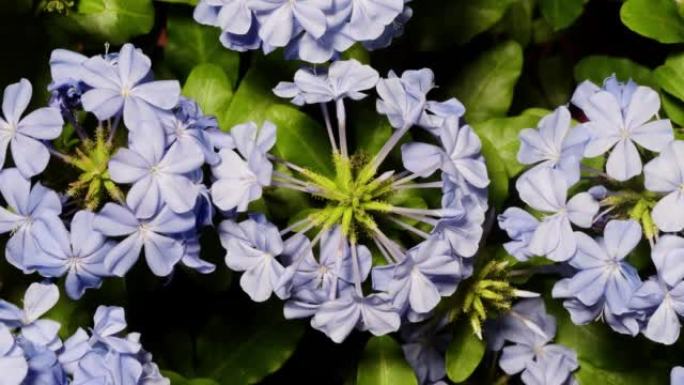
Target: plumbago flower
x,y
312,30
166,142
319,262
524,335
602,284
32,353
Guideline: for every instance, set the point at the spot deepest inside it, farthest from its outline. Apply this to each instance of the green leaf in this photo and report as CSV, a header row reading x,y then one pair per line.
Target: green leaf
x,y
555,76
177,379
496,169
561,13
300,139
486,85
115,21
383,363
209,85
674,108
251,100
502,134
455,21
598,68
191,44
370,130
670,77
234,352
655,19
464,353
518,21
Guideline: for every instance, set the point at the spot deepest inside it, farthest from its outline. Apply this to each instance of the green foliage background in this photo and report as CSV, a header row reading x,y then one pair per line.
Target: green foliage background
x,y
508,61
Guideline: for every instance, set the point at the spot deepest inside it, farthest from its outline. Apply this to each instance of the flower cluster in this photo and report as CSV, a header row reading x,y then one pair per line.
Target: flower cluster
x,y
524,335
161,156
328,286
311,30
32,353
627,202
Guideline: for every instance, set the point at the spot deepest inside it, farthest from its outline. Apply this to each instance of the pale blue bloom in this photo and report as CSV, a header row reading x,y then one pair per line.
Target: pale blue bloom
x,y
107,369
193,130
520,227
344,79
281,20
13,365
621,91
531,331
252,246
604,281
243,172
374,313
38,300
332,272
437,113
429,271
158,174
26,207
677,376
463,231
424,347
25,136
553,371
124,87
79,254
392,31
664,305
667,257
555,144
614,126
665,174
44,368
403,99
66,86
369,18
191,254
459,156
162,250
545,190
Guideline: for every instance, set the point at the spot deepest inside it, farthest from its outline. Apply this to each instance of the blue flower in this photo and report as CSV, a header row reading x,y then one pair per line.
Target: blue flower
x,y
553,371
369,18
162,250
242,174
665,174
112,368
281,20
545,190
38,300
79,253
666,256
531,330
603,279
664,305
613,125
25,135
44,368
555,144
159,175
194,131
191,254
677,376
66,86
429,271
13,365
392,31
26,207
332,272
403,99
124,86
344,79
424,348
252,246
339,317
520,227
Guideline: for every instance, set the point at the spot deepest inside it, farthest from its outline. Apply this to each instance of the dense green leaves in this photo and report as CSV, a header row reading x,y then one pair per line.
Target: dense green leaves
x,y
475,17
486,85
464,353
191,43
502,134
238,353
209,85
561,13
496,169
598,68
670,76
656,19
383,363
115,21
